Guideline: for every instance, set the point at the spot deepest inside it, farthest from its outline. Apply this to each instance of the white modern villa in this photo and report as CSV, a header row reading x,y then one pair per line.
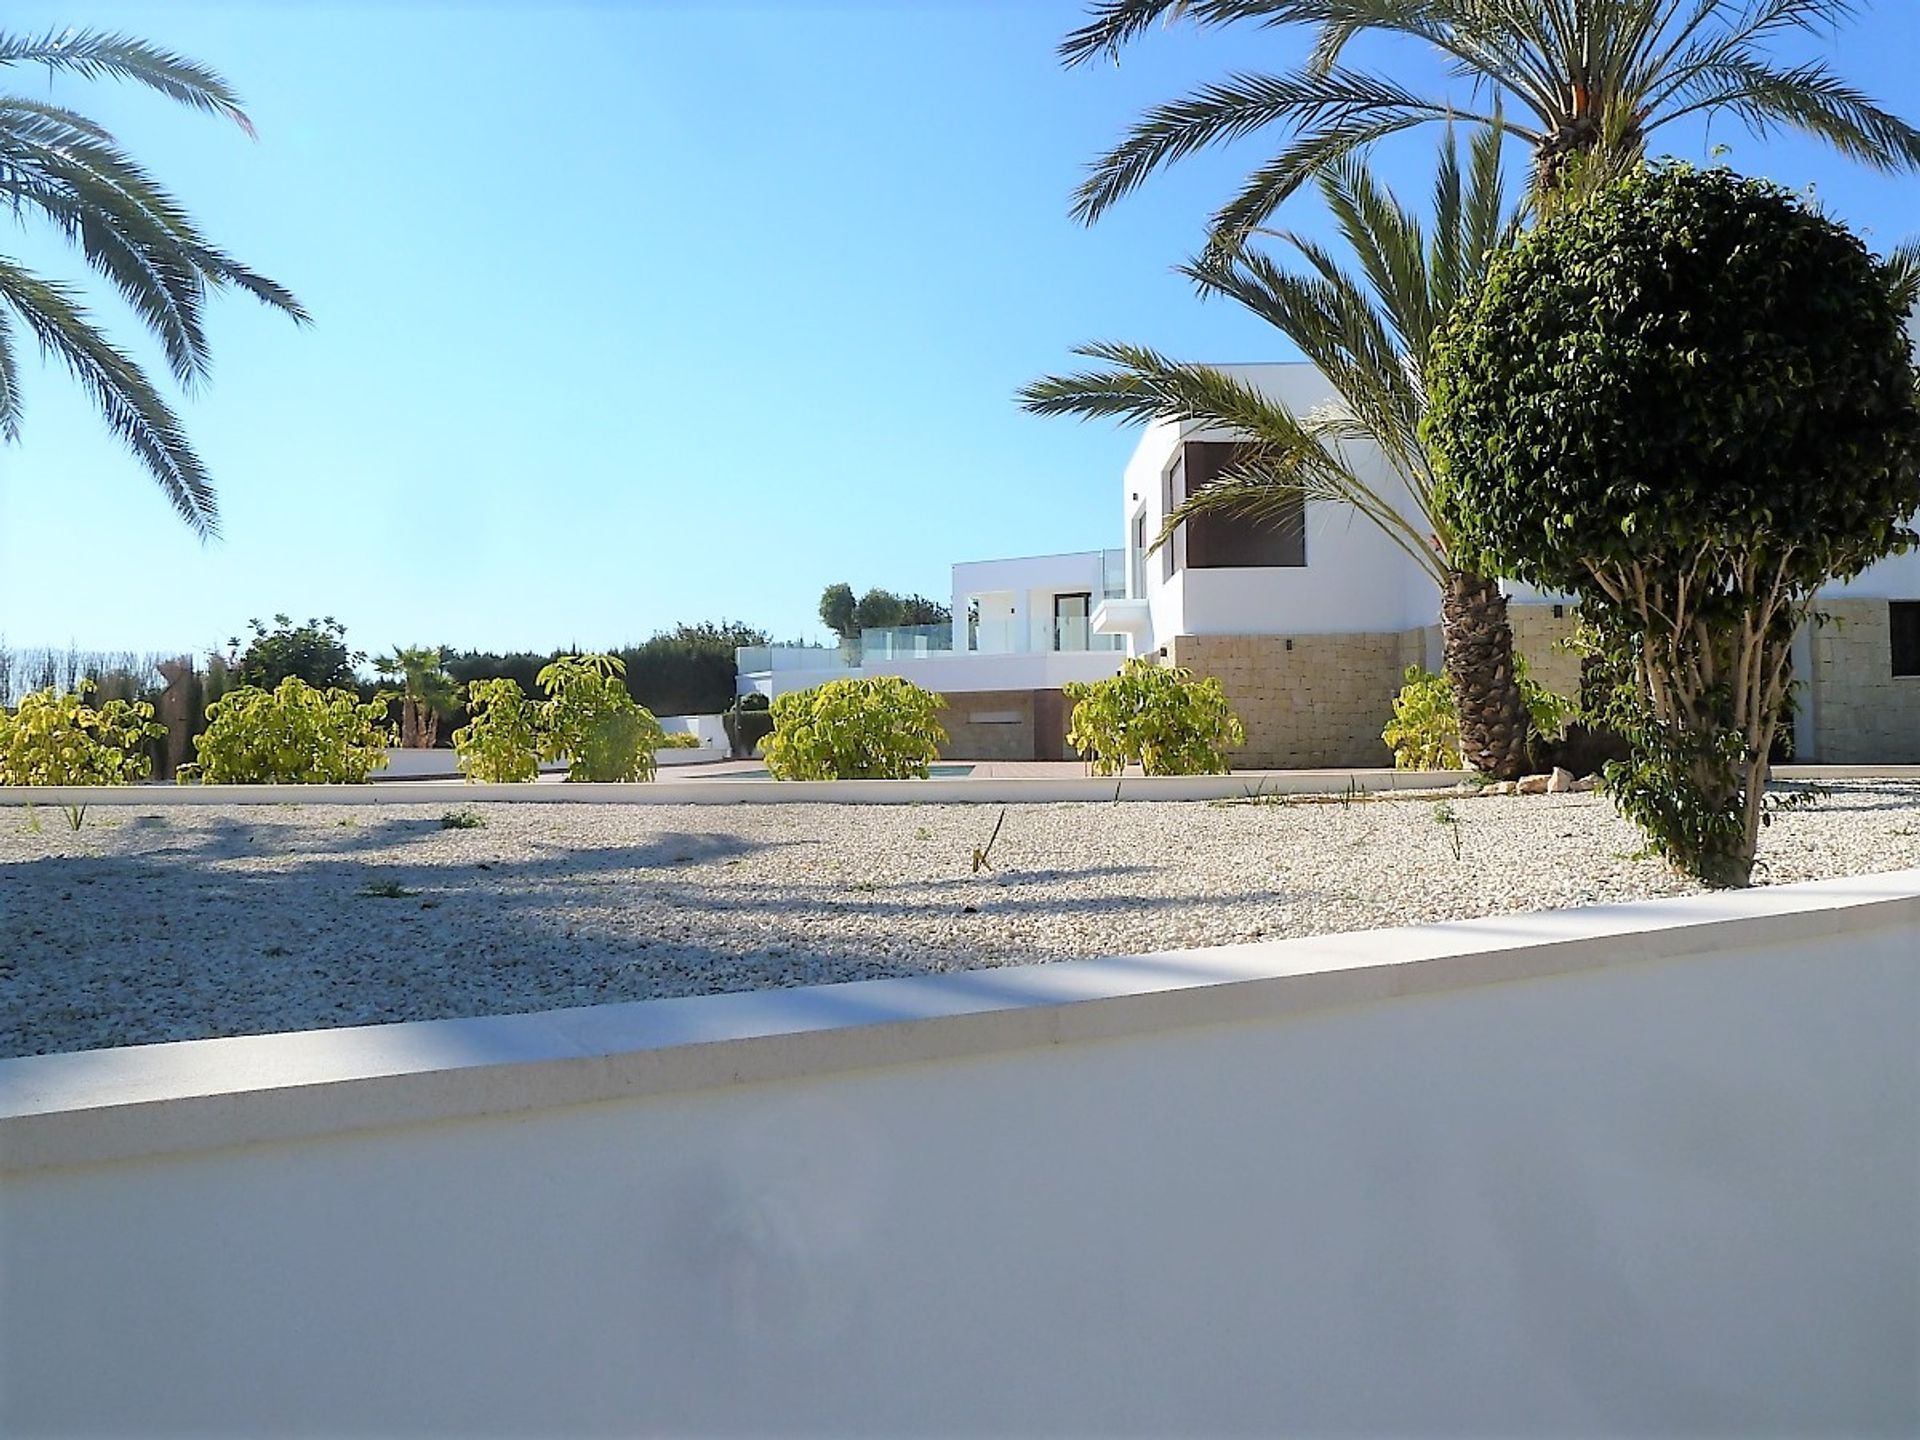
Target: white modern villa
x,y
1021,629
1309,625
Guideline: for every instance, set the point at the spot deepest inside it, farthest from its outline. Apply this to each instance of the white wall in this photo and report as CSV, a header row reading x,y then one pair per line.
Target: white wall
x,y
961,673
1017,595
1895,578
1080,570
1642,1171
711,729
1355,579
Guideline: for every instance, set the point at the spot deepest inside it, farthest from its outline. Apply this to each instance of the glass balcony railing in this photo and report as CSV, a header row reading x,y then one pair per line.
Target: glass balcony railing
x,y
905,642
768,659
1041,634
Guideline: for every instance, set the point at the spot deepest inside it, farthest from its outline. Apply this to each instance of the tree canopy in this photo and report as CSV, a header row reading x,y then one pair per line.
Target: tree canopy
x,y
1692,400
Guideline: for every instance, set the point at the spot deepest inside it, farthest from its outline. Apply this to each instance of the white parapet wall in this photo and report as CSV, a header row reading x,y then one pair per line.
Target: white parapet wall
x,y
1639,1170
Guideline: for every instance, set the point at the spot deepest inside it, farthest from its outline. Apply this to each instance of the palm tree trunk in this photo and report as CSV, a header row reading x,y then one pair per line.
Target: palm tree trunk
x,y
1478,646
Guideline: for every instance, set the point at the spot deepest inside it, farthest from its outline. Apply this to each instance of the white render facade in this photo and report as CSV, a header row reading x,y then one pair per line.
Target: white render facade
x,y
1310,631
1351,577
1311,640
1022,629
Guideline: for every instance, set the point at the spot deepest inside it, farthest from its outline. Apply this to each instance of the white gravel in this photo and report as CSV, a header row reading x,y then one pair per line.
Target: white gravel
x,y
196,921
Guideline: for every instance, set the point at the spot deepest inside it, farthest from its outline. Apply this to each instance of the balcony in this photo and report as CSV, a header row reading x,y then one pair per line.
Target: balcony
x,y
1038,635
1051,617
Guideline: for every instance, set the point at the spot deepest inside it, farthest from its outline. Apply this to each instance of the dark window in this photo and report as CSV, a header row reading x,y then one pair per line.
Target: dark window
x,y
1903,620
1218,542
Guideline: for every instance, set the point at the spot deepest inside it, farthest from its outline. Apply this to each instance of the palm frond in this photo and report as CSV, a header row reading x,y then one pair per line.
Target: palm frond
x,y
9,383
1231,109
1112,23
1270,484
1809,98
119,388
1312,153
1367,331
128,228
1286,457
1340,333
1589,80
1902,268
101,54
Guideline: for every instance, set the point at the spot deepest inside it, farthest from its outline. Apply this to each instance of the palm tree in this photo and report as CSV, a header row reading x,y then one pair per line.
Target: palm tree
x,y
1903,267
1585,83
1370,335
62,168
426,692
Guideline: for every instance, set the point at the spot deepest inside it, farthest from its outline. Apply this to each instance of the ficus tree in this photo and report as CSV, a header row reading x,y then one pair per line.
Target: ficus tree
x,y
1692,400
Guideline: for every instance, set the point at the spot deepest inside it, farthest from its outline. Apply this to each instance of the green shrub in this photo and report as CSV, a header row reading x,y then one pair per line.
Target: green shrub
x,y
591,721
1424,733
680,740
56,739
500,742
1692,401
1156,716
292,734
878,728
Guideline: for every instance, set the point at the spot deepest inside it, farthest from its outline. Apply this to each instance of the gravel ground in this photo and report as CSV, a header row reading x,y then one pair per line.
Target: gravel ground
x,y
196,921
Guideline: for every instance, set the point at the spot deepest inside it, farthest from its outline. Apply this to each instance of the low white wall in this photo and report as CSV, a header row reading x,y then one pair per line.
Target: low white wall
x,y
711,729
414,764
1643,1170
435,764
960,671
967,672
682,790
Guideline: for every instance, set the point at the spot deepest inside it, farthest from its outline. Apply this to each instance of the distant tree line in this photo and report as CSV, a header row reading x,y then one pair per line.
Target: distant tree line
x,y
685,670
878,609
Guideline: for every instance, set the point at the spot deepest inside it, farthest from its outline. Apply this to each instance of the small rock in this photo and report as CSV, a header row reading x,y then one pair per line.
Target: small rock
x,y
1533,785
1587,786
1560,781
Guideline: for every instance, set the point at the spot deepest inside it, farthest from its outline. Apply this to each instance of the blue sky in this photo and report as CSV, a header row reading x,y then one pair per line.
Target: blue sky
x,y
627,314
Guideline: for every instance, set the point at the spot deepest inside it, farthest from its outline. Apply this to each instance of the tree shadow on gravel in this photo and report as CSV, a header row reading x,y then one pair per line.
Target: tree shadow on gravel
x,y
343,937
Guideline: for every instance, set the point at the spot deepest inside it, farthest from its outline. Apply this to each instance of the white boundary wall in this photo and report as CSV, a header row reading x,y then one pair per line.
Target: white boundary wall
x,y
1650,1169
984,790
